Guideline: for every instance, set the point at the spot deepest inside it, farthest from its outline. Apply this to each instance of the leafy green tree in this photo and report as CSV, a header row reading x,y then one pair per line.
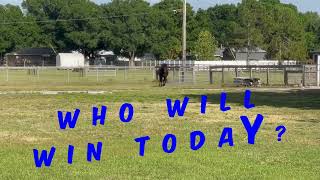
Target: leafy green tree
x,y
205,46
165,32
250,13
312,30
69,24
165,29
18,31
133,27
128,32
224,24
287,36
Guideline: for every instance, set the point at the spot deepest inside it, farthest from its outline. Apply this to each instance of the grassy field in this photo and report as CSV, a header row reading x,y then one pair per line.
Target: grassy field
x,y
29,121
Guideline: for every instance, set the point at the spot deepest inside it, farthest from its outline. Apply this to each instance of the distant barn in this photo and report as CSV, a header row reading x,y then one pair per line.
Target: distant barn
x,y
252,54
32,57
105,58
255,54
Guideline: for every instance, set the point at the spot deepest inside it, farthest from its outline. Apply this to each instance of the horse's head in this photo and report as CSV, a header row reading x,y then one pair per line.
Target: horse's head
x,y
165,69
164,66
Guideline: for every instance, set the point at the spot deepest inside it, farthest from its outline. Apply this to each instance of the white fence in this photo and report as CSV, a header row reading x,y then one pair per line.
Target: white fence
x,y
151,63
196,74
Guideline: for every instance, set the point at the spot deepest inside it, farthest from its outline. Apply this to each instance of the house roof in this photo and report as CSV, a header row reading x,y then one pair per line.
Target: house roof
x,y
254,50
315,52
106,53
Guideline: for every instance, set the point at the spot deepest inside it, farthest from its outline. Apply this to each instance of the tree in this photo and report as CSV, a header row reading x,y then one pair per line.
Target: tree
x,y
18,31
79,32
250,12
133,27
287,40
165,29
274,26
224,24
128,30
205,46
312,30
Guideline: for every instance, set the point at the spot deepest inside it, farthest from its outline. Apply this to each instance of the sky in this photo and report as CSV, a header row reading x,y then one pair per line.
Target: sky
x,y
303,5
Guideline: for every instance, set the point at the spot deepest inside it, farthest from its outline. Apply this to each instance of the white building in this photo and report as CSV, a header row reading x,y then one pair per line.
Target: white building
x,y
71,60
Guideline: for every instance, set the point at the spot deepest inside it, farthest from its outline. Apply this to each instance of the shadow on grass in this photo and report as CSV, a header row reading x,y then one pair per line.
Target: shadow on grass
x,y
301,99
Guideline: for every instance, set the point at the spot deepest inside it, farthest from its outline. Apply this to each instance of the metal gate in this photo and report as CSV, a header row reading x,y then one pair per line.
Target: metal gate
x,y
310,75
188,75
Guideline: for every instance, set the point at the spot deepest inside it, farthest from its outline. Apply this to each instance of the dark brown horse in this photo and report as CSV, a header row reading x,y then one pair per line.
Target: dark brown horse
x,y
162,74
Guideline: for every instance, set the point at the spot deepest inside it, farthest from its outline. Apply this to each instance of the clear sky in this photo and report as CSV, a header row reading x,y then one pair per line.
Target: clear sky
x,y
303,5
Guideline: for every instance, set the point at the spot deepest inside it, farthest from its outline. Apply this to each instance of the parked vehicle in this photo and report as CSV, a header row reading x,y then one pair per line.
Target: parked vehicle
x,y
245,81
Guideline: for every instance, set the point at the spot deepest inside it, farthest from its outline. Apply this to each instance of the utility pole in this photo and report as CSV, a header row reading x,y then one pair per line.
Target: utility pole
x,y
184,40
248,43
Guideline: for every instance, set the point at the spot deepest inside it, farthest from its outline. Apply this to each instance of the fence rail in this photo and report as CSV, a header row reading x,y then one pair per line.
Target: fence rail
x,y
281,75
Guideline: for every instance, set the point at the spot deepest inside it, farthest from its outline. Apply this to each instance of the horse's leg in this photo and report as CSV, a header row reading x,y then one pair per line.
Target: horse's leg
x,y
162,81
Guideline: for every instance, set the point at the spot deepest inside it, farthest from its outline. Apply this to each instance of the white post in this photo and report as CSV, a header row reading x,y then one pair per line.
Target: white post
x,y
184,39
318,70
97,74
194,75
68,76
38,73
7,74
125,73
150,64
179,75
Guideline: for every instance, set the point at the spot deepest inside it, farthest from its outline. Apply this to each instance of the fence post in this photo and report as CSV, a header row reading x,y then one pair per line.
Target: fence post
x,y
38,73
68,76
303,75
318,70
125,73
7,74
285,76
250,72
173,72
194,78
179,75
222,77
154,74
268,73
182,74
236,69
97,71
210,75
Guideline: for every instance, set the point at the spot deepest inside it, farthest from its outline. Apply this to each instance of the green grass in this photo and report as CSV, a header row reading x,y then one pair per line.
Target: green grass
x,y
29,121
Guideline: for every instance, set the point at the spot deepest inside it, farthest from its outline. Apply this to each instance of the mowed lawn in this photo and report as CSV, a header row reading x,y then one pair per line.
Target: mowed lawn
x,y
29,121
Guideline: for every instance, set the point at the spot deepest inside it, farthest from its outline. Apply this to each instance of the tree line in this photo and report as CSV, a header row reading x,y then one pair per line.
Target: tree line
x,y
134,27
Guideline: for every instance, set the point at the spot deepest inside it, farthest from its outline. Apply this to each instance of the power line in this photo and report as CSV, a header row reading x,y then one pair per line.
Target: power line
x,y
78,19
73,19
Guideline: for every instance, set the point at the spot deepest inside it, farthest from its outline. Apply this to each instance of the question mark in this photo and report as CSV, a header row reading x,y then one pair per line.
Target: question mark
x,y
282,130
